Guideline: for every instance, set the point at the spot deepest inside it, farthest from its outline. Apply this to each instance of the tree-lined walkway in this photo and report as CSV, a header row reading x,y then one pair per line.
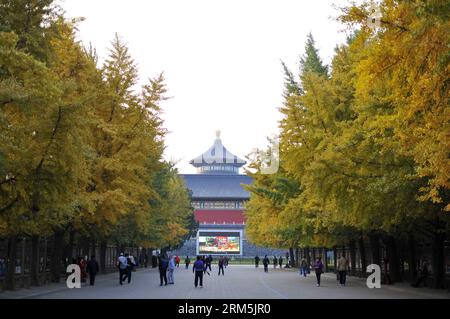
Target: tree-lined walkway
x,y
239,282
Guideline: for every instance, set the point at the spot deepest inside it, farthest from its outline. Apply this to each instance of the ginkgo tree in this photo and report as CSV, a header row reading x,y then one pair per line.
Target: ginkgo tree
x,y
80,147
357,141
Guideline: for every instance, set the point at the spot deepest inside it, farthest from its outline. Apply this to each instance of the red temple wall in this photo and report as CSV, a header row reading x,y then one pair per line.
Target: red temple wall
x,y
219,216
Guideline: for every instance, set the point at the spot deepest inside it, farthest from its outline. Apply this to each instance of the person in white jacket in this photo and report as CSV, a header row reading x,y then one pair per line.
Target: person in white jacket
x,y
171,270
122,265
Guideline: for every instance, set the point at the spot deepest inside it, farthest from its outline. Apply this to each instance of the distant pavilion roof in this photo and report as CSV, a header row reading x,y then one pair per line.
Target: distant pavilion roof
x,y
217,160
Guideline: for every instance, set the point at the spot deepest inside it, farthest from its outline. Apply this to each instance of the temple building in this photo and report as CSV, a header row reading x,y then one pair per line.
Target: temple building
x,y
218,198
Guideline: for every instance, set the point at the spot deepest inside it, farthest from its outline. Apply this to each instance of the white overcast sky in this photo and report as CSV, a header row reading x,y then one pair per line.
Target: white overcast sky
x,y
221,60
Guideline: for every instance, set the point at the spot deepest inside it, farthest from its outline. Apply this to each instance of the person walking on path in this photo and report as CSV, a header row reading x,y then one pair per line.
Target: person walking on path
x,y
177,261
209,262
82,264
257,261
163,265
318,267
205,260
93,269
145,260
275,262
266,263
130,266
221,264
122,264
226,261
304,267
387,277
187,261
342,266
171,270
280,262
197,269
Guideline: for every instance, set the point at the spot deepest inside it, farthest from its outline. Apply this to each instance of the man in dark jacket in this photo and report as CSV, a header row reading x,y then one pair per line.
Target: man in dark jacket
x,y
163,265
266,263
257,261
187,261
198,268
209,260
145,260
93,269
130,266
221,264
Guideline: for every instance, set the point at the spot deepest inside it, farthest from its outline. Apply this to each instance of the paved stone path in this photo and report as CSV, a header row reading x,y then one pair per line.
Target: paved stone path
x,y
239,282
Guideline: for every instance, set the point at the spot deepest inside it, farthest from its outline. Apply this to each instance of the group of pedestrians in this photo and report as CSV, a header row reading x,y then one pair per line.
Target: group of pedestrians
x,y
266,262
166,266
276,261
305,267
88,268
201,266
342,267
126,264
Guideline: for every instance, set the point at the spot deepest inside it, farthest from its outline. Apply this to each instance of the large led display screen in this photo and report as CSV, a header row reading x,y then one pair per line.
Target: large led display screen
x,y
219,243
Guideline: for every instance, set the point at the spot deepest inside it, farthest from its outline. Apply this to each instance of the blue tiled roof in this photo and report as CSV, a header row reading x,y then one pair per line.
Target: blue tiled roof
x,y
217,155
217,186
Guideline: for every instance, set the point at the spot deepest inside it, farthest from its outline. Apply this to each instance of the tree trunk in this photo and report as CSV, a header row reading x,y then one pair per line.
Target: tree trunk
x,y
362,254
10,283
85,247
325,258
308,257
103,246
291,256
438,260
296,256
34,267
352,248
412,258
335,258
93,248
68,251
394,261
375,248
402,267
56,258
